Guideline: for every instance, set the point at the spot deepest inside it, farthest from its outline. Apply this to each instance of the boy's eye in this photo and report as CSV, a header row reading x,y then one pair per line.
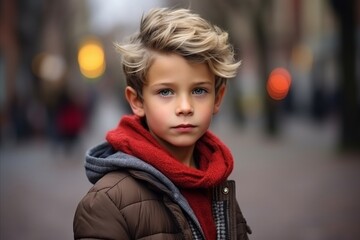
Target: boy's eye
x,y
165,92
199,91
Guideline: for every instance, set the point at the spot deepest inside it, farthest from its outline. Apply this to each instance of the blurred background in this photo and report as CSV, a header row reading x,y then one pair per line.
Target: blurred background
x,y
291,116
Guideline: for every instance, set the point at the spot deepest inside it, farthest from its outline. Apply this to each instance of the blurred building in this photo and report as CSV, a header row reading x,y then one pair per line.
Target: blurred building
x,y
40,41
38,61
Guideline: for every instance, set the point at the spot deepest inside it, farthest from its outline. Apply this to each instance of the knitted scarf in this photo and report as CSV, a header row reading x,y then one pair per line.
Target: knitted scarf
x,y
214,161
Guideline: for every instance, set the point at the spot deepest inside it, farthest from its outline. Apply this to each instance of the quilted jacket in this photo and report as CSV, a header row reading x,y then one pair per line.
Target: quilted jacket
x,y
132,200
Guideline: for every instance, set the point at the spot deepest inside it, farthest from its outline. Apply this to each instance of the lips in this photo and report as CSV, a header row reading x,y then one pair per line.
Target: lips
x,y
184,128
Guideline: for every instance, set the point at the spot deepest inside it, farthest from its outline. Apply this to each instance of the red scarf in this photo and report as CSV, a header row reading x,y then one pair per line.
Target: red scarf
x,y
214,160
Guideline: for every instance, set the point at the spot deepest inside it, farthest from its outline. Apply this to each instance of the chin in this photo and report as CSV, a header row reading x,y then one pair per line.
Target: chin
x,y
184,143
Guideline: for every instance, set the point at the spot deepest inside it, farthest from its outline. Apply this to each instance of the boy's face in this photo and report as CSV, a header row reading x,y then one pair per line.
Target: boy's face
x,y
178,101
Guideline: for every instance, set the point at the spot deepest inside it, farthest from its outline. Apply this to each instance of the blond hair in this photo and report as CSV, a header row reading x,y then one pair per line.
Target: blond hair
x,y
181,32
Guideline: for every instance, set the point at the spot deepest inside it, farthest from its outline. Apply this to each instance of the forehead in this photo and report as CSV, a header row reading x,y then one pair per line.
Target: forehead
x,y
167,67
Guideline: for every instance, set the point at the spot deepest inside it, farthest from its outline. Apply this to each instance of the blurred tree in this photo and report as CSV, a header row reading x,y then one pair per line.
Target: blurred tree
x,y
345,11
258,12
259,23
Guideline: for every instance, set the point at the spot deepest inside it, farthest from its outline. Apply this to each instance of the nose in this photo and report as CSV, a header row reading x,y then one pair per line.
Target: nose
x,y
184,106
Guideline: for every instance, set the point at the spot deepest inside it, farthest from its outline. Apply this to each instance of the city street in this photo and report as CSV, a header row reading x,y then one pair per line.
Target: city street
x,y
294,187
65,65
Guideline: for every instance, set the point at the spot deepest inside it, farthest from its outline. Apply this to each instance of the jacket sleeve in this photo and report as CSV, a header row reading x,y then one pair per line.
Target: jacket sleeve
x,y
97,217
242,228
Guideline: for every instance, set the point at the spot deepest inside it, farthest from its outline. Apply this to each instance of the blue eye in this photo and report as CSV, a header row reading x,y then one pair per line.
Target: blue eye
x,y
165,92
199,91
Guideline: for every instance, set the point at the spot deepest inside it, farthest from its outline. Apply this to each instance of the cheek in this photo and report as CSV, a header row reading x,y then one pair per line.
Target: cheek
x,y
156,116
205,113
207,107
155,107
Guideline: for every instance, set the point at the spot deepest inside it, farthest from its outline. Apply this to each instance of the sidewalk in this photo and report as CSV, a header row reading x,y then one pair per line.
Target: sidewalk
x,y
295,187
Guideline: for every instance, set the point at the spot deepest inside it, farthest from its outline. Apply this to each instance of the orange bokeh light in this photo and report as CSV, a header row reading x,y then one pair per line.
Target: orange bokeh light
x,y
278,83
91,58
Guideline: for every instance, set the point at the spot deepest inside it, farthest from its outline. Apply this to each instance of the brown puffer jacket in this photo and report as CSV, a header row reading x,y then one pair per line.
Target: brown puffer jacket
x,y
130,203
124,205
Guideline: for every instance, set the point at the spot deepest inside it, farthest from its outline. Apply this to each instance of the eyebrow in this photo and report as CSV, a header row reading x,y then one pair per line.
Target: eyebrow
x,y
161,84
195,83
204,82
171,83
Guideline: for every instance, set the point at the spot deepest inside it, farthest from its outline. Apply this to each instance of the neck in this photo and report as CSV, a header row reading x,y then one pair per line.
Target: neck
x,y
185,155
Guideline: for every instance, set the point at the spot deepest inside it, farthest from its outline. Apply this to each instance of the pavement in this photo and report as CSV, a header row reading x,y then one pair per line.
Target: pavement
x,y
296,186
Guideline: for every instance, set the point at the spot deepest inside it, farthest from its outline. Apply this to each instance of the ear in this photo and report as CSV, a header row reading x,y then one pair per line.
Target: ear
x,y
134,101
218,98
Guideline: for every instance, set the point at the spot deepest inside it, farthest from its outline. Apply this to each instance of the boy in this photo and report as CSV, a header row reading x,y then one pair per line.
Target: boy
x,y
162,174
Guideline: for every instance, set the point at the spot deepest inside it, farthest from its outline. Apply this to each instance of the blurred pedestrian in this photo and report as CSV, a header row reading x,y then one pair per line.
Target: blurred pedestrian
x,y
162,174
70,120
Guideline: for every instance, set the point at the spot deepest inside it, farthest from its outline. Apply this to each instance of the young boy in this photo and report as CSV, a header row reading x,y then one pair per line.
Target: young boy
x,y
162,174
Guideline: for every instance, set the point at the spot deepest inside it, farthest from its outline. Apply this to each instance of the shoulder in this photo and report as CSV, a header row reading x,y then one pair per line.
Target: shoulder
x,y
110,205
123,204
123,189
111,180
